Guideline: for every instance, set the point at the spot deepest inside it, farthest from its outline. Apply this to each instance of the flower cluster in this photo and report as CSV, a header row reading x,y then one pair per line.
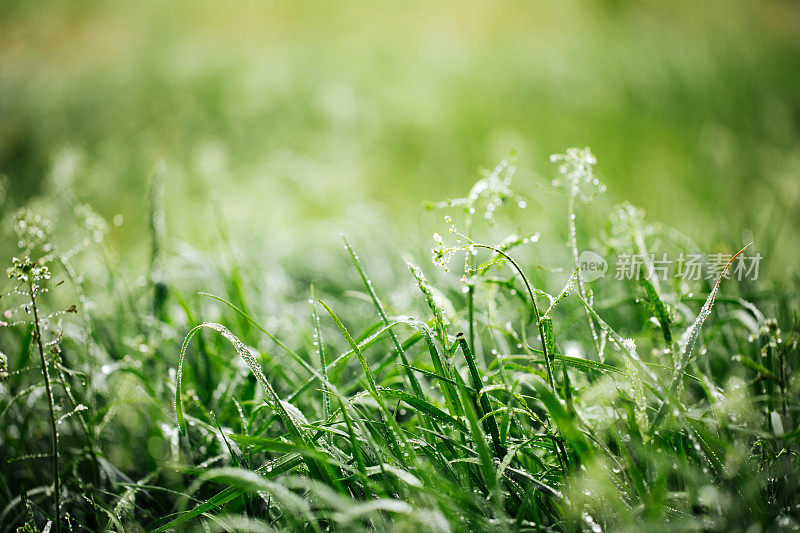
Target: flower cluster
x,y
577,170
443,253
3,367
26,270
32,231
95,225
628,221
489,193
494,189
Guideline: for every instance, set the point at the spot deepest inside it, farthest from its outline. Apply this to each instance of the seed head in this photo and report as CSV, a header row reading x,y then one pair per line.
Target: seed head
x,y
576,167
26,270
3,367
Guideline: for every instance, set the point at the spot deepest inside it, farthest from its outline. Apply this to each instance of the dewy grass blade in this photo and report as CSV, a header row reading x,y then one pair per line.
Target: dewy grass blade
x,y
326,402
483,401
484,455
400,444
297,433
425,407
340,360
550,341
230,493
349,413
255,368
442,365
659,309
247,480
438,314
691,335
412,379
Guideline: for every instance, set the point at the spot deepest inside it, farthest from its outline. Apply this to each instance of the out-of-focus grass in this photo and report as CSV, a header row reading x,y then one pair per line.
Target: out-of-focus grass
x,y
285,111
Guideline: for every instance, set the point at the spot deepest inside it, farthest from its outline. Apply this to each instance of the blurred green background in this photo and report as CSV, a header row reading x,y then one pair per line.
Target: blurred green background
x,y
288,114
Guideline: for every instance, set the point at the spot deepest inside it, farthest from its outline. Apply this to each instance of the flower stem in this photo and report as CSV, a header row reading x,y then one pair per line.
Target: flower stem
x,y
51,405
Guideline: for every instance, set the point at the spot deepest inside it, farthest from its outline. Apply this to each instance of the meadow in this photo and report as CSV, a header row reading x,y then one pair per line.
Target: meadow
x,y
292,266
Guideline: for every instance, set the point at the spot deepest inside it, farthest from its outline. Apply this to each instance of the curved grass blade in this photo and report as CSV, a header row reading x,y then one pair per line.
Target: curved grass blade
x,y
255,368
326,402
659,309
294,506
426,407
273,469
341,359
692,334
483,401
393,430
296,431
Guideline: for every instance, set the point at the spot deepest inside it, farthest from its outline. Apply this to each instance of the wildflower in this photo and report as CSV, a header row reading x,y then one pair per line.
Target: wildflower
x,y
441,254
489,193
3,367
32,230
577,168
24,269
627,224
95,225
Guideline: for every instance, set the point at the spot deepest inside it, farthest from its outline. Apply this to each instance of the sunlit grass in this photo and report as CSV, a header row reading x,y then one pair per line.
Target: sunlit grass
x,y
492,394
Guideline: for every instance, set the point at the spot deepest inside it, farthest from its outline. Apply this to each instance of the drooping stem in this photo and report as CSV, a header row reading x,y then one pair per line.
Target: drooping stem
x,y
51,405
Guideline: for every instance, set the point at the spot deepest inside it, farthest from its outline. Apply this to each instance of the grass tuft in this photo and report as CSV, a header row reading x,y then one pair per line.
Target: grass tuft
x,y
515,395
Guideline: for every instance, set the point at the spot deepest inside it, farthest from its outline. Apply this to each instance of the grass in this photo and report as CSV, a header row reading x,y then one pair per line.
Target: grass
x,y
509,396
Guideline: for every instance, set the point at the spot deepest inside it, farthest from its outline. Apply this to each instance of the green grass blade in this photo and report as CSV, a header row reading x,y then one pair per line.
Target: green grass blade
x,y
659,309
412,379
483,400
243,352
484,455
425,407
394,432
326,402
563,420
691,336
295,429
